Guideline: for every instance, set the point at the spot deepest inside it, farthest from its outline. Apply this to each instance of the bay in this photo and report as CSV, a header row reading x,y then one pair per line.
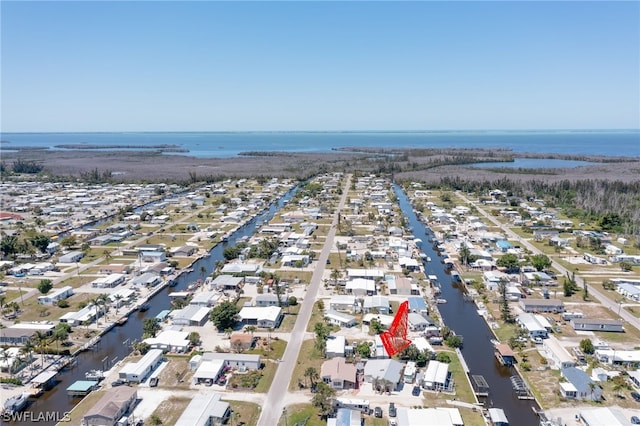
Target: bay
x,y
230,144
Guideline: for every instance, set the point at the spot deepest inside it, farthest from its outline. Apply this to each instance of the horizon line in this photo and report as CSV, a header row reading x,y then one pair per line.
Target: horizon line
x,y
589,130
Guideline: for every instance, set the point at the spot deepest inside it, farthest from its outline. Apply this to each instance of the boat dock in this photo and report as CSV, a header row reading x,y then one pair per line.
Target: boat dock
x,y
480,385
521,388
82,388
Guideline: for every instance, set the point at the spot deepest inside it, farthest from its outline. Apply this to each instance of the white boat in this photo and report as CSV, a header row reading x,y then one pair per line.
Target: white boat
x,y
15,404
96,375
440,301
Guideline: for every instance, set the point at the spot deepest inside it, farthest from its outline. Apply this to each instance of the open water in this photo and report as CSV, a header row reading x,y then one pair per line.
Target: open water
x,y
230,144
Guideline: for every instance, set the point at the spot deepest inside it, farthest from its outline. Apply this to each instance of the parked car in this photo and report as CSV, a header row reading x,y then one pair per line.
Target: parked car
x,y
153,382
636,396
415,391
635,420
378,412
118,382
392,409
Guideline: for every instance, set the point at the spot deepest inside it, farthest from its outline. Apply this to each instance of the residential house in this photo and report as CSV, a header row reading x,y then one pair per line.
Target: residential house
x,y
542,305
388,371
376,304
226,282
241,341
340,318
579,385
271,299
267,317
71,257
205,409
335,346
418,305
559,356
170,341
530,323
114,404
361,287
18,334
136,372
54,297
596,324
338,374
147,279
441,416
191,315
437,376
343,302
346,417
417,322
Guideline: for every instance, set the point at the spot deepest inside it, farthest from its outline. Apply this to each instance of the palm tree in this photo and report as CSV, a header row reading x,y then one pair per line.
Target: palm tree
x,y
250,329
228,332
60,335
312,374
118,298
4,356
40,340
27,348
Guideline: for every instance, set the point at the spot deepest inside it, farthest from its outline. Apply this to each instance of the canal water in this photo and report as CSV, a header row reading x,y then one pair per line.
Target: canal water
x,y
462,316
116,343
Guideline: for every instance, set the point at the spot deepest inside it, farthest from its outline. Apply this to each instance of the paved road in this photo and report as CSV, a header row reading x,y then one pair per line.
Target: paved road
x,y
604,300
275,401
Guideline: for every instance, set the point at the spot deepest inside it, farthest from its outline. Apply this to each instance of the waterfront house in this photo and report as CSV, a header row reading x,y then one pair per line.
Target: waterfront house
x,y
579,385
148,279
114,404
152,256
53,298
226,282
436,377
205,410
441,416
596,324
559,356
191,315
418,305
136,372
530,323
18,334
338,374
206,299
170,341
417,322
85,315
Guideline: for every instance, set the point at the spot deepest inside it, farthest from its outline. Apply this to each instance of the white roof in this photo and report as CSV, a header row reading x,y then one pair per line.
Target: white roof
x,y
335,344
437,372
137,368
169,338
429,416
209,369
603,416
270,313
361,283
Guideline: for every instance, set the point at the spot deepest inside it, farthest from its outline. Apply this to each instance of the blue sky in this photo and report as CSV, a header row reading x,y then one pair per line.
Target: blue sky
x,y
197,66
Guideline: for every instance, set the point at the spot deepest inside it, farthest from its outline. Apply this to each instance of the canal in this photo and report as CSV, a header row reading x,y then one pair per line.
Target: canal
x,y
461,315
116,343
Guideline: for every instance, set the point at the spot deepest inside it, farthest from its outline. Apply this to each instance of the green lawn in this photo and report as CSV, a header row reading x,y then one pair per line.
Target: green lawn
x,y
246,412
268,373
308,357
302,414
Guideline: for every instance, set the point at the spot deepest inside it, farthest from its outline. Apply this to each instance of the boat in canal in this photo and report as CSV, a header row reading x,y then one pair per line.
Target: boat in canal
x,y
95,375
15,404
